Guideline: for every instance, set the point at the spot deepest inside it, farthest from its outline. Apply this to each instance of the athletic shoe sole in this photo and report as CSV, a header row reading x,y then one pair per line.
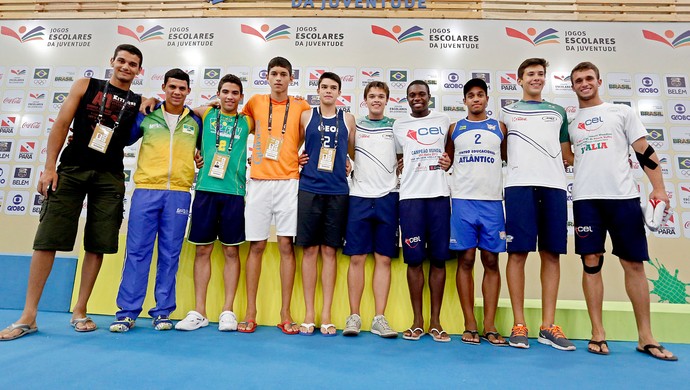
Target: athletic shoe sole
x,y
546,341
518,345
350,332
385,336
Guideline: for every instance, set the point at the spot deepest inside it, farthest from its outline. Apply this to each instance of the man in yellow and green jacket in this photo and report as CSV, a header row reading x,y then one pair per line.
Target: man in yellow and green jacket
x,y
160,203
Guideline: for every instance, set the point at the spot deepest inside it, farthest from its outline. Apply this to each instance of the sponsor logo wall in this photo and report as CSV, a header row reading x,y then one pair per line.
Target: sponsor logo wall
x,y
643,65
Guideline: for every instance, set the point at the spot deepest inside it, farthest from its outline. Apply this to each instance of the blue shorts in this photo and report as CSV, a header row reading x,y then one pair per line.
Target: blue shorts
x,y
477,224
536,212
372,226
219,216
621,218
425,229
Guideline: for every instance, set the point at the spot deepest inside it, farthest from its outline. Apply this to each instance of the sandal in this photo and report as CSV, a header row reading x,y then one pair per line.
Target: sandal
x,y
599,344
415,334
494,338
76,321
249,326
472,340
437,335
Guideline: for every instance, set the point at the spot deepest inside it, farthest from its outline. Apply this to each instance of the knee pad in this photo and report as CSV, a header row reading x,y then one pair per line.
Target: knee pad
x,y
592,270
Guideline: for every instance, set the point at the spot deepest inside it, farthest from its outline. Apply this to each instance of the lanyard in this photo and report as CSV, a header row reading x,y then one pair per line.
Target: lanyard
x,y
322,129
102,109
270,115
232,136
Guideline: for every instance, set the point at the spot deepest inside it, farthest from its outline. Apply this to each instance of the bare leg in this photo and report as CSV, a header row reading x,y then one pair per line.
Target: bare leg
x,y
491,288
464,281
550,279
328,274
515,275
310,271
256,252
355,281
593,287
437,283
41,265
638,291
415,283
231,275
287,277
89,272
202,274
381,283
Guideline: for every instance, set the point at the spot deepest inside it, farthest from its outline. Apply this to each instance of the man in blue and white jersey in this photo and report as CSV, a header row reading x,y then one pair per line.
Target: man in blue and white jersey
x,y
477,220
323,198
535,199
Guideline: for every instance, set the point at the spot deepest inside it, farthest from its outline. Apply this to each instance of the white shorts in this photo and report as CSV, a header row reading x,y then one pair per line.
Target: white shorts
x,y
269,199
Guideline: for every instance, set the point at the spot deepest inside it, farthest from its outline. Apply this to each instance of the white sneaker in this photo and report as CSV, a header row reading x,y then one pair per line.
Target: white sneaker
x,y
352,325
227,321
379,326
193,321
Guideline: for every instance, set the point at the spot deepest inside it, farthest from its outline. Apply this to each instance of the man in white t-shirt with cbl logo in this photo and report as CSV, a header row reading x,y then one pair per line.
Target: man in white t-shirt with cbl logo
x,y
605,199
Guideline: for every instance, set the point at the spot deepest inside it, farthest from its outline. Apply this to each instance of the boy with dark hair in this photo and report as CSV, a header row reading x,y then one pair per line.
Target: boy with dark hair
x,y
272,190
322,199
218,207
477,208
160,204
424,205
103,113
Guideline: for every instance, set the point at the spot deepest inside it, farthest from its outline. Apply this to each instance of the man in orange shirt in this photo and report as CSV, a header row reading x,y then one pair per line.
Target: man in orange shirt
x,y
272,190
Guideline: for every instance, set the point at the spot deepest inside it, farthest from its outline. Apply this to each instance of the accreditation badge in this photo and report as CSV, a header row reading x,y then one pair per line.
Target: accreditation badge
x,y
326,159
100,139
219,165
273,149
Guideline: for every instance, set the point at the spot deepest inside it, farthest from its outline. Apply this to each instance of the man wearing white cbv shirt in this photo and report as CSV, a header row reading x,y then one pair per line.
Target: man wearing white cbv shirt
x,y
605,199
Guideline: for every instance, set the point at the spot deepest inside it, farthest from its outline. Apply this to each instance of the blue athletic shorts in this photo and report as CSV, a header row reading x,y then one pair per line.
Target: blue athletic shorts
x,y
372,226
425,229
477,224
621,218
219,216
536,212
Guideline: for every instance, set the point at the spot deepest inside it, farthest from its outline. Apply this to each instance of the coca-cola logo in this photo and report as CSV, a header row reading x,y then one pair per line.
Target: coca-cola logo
x,y
15,100
348,78
157,77
570,109
31,125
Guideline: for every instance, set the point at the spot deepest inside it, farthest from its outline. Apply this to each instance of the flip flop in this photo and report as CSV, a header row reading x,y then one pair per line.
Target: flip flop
x,y
413,334
438,337
24,328
286,327
472,333
325,332
247,328
598,344
73,323
496,342
647,349
307,325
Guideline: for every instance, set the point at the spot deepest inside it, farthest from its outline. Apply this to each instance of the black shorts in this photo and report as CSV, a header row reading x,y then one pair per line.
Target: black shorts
x,y
321,219
59,218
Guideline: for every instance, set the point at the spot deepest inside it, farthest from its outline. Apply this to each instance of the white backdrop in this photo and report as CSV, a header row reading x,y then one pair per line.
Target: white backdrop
x,y
644,65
